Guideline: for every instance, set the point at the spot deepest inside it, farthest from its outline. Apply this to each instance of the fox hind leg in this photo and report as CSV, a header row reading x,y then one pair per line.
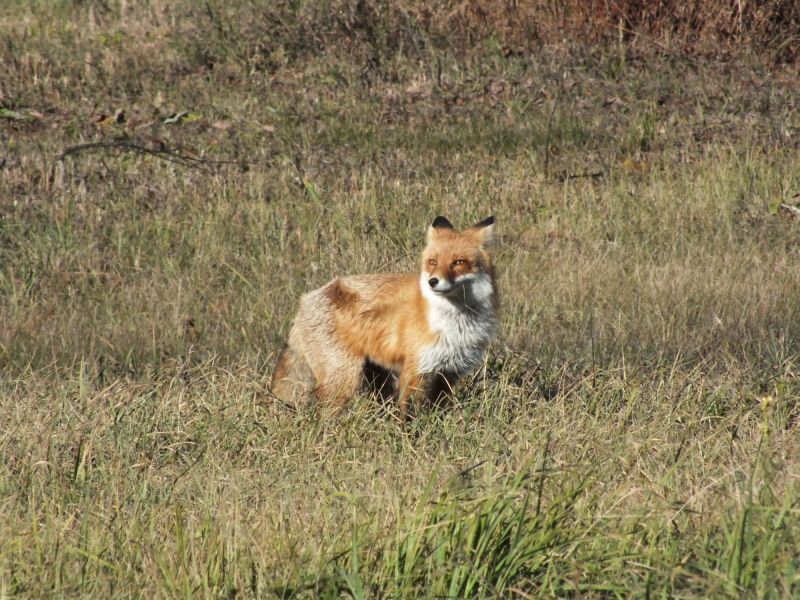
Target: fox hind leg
x,y
293,381
340,381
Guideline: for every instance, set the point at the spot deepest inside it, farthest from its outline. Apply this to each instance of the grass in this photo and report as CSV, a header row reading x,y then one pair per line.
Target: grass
x,y
634,429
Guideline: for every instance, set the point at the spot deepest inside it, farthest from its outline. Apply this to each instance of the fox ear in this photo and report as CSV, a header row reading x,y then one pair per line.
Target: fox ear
x,y
441,221
486,222
485,231
438,223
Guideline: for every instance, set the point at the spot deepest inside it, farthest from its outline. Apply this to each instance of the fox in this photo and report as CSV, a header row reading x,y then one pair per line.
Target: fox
x,y
424,331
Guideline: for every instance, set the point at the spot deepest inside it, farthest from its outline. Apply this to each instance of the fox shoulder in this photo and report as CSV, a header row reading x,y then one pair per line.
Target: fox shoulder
x,y
340,294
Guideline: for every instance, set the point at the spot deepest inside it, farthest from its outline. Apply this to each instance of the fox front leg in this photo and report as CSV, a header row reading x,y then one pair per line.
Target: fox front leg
x,y
409,385
439,388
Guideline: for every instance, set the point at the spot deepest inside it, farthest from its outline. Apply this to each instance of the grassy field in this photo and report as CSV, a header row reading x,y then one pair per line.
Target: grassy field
x,y
635,431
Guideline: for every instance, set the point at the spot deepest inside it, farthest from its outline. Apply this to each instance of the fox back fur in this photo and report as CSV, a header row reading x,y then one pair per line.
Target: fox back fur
x,y
427,330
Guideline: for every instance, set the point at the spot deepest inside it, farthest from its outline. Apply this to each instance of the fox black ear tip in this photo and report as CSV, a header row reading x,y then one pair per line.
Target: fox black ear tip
x,y
486,222
441,221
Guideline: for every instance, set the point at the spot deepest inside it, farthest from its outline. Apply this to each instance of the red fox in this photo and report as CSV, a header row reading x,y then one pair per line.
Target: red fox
x,y
427,330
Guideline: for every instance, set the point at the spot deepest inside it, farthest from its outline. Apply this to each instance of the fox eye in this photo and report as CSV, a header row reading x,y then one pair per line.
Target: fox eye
x,y
432,262
458,262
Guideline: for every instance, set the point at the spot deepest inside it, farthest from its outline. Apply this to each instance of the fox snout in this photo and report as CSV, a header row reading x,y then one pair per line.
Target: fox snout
x,y
440,284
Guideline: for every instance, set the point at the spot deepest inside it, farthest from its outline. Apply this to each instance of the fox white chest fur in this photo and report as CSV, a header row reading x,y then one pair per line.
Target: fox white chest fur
x,y
464,325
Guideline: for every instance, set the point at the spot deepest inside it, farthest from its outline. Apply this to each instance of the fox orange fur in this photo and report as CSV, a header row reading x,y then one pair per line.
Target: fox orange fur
x,y
427,330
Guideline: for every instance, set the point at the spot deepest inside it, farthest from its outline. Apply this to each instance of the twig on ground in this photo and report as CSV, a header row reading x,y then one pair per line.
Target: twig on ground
x,y
562,177
162,153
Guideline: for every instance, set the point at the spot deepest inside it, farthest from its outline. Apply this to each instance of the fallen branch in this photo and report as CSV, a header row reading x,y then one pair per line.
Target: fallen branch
x,y
162,153
562,177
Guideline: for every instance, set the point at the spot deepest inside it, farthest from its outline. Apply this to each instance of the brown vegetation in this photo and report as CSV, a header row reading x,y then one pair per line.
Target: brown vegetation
x,y
695,28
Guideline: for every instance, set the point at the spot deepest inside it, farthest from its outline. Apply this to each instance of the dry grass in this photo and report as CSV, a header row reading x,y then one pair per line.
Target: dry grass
x,y
634,431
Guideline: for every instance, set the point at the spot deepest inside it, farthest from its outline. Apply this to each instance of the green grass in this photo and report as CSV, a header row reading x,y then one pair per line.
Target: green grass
x,y
633,433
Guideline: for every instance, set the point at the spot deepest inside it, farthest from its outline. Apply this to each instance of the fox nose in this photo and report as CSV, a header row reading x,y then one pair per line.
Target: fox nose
x,y
433,281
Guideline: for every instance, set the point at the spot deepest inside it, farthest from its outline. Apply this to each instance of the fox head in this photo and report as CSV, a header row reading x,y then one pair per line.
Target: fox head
x,y
455,260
